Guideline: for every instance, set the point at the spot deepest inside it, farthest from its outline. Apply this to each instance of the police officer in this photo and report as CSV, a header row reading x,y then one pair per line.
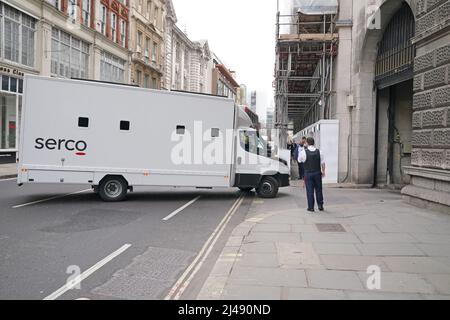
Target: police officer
x,y
314,165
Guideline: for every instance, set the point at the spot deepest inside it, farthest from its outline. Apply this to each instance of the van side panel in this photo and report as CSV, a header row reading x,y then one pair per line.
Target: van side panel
x,y
76,132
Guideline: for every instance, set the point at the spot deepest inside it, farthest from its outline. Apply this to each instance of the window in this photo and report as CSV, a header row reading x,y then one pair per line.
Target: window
x,y
215,132
83,122
149,8
17,36
147,81
156,16
124,125
147,49
112,68
56,3
103,15
181,130
123,33
70,56
86,7
138,77
114,27
154,51
155,83
139,40
248,141
73,9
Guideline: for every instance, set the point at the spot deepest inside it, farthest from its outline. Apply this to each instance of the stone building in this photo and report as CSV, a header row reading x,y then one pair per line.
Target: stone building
x,y
147,42
388,87
186,66
58,38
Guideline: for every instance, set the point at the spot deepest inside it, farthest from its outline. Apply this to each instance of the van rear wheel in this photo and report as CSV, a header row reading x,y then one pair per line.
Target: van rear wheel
x,y
113,189
268,187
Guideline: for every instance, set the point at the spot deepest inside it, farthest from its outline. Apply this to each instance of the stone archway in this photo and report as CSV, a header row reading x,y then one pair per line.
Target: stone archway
x,y
363,87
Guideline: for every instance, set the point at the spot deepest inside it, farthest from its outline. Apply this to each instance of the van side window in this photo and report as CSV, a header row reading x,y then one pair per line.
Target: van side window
x,y
215,132
181,130
125,125
83,122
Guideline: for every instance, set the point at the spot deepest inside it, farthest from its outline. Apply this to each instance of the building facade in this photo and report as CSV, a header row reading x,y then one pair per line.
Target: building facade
x,y
390,63
186,66
147,42
59,38
223,80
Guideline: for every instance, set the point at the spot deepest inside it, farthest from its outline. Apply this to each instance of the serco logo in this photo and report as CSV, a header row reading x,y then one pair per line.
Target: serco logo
x,y
79,146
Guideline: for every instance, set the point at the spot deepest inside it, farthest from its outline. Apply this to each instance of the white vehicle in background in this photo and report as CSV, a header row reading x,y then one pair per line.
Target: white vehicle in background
x,y
115,137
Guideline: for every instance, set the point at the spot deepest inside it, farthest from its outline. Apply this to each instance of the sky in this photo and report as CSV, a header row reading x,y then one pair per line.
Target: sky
x,y
242,34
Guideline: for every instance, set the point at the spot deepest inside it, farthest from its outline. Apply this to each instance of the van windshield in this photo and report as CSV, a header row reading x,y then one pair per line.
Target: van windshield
x,y
251,142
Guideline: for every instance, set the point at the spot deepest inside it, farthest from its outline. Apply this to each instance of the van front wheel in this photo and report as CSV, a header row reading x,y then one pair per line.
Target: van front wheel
x,y
268,187
113,189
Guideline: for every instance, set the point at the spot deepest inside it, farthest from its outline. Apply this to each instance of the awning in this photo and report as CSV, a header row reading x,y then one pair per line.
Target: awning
x,y
316,7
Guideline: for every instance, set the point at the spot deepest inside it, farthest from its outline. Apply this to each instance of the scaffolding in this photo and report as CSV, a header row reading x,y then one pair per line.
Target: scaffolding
x,y
306,45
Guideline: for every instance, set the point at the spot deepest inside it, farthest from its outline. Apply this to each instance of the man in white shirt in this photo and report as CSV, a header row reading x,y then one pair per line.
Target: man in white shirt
x,y
314,164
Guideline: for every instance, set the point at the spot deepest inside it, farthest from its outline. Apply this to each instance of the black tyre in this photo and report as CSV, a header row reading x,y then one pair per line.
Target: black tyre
x,y
113,189
243,189
268,187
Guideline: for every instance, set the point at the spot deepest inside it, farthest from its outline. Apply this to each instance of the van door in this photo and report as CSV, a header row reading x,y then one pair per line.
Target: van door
x,y
247,164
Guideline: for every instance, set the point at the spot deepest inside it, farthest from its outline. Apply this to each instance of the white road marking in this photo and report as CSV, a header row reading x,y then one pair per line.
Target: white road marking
x,y
9,179
48,199
85,274
181,285
173,214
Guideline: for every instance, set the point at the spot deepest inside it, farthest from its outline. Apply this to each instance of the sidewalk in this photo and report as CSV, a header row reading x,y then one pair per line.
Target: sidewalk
x,y
8,170
282,252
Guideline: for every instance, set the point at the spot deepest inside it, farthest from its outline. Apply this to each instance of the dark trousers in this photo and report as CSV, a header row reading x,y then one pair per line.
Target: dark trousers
x,y
301,170
313,183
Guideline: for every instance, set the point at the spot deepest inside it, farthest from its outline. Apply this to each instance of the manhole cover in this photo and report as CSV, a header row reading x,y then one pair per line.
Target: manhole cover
x,y
330,227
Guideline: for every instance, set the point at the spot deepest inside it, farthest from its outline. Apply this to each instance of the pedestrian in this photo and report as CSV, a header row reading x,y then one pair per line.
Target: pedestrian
x,y
301,166
314,165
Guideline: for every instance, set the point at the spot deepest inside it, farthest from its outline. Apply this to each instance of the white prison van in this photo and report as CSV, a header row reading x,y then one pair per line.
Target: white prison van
x,y
115,137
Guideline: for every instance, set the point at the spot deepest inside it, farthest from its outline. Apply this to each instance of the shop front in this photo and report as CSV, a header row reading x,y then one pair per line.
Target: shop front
x,y
11,89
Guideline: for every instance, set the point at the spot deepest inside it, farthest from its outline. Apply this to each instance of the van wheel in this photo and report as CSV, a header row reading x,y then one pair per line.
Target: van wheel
x,y
268,187
243,189
113,189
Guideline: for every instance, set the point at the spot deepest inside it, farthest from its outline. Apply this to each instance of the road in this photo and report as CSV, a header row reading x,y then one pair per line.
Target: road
x,y
160,243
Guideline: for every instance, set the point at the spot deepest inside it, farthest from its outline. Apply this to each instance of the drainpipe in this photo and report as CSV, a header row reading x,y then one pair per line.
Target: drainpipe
x,y
375,155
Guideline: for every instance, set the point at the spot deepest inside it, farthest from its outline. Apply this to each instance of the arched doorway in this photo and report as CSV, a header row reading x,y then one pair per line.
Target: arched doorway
x,y
394,81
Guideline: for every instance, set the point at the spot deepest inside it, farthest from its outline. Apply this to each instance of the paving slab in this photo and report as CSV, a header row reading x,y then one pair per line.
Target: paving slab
x,y
243,292
352,263
440,281
297,255
435,250
316,237
402,282
312,294
262,260
258,247
416,265
272,277
376,295
332,279
274,227
273,237
389,249
336,248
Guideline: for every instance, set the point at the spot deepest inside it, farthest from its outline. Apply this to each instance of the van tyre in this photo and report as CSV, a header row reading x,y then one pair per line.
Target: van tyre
x,y
113,189
268,187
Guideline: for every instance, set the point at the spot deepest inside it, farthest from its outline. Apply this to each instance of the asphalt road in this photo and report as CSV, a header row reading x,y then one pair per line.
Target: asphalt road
x,y
120,250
